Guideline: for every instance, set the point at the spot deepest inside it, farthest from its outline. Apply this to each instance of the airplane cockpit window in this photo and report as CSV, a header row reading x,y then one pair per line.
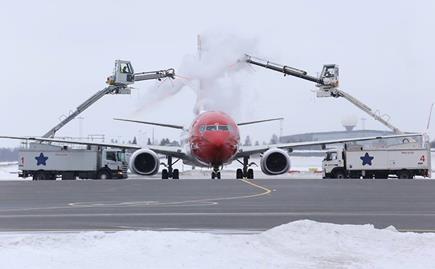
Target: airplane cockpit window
x,y
223,128
211,128
215,127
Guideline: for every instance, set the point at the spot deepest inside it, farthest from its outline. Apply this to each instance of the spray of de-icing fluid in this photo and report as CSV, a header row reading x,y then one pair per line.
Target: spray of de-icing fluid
x,y
215,74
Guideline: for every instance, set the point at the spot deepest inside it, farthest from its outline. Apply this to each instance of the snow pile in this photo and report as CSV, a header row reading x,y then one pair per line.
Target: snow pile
x,y
300,244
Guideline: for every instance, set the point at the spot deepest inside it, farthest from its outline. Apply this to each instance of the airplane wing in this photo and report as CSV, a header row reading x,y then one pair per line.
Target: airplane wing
x,y
74,142
250,150
176,152
257,121
153,123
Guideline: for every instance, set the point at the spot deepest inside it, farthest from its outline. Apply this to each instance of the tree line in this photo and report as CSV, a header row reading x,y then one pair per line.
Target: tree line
x,y
8,154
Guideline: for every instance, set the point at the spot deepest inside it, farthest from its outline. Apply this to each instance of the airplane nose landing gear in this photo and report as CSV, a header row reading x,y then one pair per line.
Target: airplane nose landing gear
x,y
216,173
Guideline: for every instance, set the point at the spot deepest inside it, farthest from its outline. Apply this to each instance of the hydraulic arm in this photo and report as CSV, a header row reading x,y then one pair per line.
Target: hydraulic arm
x,y
122,76
327,83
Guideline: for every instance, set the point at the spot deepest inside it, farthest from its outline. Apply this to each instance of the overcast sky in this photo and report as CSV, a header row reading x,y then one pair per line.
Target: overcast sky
x,y
56,54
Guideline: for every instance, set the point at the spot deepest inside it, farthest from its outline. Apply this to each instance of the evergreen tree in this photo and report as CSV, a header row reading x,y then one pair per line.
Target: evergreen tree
x,y
274,139
175,143
8,155
149,141
134,142
247,141
165,142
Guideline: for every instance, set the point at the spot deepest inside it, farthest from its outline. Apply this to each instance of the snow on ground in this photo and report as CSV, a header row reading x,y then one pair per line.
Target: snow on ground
x,y
300,244
8,170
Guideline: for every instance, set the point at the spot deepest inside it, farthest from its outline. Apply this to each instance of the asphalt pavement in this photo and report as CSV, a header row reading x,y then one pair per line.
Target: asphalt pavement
x,y
205,204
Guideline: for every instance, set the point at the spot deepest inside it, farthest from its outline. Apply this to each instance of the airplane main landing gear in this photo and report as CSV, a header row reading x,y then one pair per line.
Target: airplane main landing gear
x,y
170,173
246,172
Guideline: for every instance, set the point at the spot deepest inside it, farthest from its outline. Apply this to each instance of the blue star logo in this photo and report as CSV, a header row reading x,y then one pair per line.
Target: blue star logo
x,y
366,159
41,160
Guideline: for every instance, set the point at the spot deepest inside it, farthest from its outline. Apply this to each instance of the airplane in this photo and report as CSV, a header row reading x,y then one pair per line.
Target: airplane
x,y
213,140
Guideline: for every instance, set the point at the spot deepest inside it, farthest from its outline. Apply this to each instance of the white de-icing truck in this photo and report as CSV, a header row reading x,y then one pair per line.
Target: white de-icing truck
x,y
47,162
404,160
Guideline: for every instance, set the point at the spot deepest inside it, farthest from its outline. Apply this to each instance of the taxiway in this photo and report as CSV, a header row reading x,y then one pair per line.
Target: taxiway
x,y
192,204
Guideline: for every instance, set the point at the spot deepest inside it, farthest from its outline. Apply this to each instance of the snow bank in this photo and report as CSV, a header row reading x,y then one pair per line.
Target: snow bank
x,y
300,244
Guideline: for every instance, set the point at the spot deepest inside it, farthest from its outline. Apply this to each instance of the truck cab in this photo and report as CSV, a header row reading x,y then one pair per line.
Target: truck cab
x,y
333,164
112,164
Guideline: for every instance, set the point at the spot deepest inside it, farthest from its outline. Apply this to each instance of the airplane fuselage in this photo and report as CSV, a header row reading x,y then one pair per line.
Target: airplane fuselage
x,y
214,139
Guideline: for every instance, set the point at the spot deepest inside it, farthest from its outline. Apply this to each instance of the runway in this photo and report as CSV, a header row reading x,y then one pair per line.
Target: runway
x,y
204,204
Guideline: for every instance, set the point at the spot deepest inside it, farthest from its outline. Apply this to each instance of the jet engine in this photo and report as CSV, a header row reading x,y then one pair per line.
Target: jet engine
x,y
275,162
144,162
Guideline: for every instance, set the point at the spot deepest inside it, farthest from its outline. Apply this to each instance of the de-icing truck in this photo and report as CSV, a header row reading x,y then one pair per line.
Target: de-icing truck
x,y
404,160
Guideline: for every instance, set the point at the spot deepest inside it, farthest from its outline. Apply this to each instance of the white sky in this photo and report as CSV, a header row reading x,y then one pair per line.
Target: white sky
x,y
56,54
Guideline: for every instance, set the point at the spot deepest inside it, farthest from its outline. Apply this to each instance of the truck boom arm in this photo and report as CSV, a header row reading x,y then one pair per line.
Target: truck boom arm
x,y
169,73
287,70
118,84
327,84
340,93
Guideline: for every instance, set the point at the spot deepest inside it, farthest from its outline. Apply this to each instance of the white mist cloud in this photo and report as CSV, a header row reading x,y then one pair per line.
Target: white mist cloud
x,y
219,80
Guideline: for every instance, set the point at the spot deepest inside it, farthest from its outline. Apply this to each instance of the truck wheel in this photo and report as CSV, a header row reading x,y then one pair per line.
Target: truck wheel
x,y
39,176
368,176
176,174
339,174
68,176
403,174
104,174
381,175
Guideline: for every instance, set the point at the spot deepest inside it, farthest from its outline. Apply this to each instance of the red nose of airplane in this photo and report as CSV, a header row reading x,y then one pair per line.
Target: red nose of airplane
x,y
218,148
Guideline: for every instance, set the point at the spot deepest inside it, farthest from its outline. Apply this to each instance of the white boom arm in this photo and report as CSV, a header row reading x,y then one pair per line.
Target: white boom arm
x,y
340,93
327,84
122,76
